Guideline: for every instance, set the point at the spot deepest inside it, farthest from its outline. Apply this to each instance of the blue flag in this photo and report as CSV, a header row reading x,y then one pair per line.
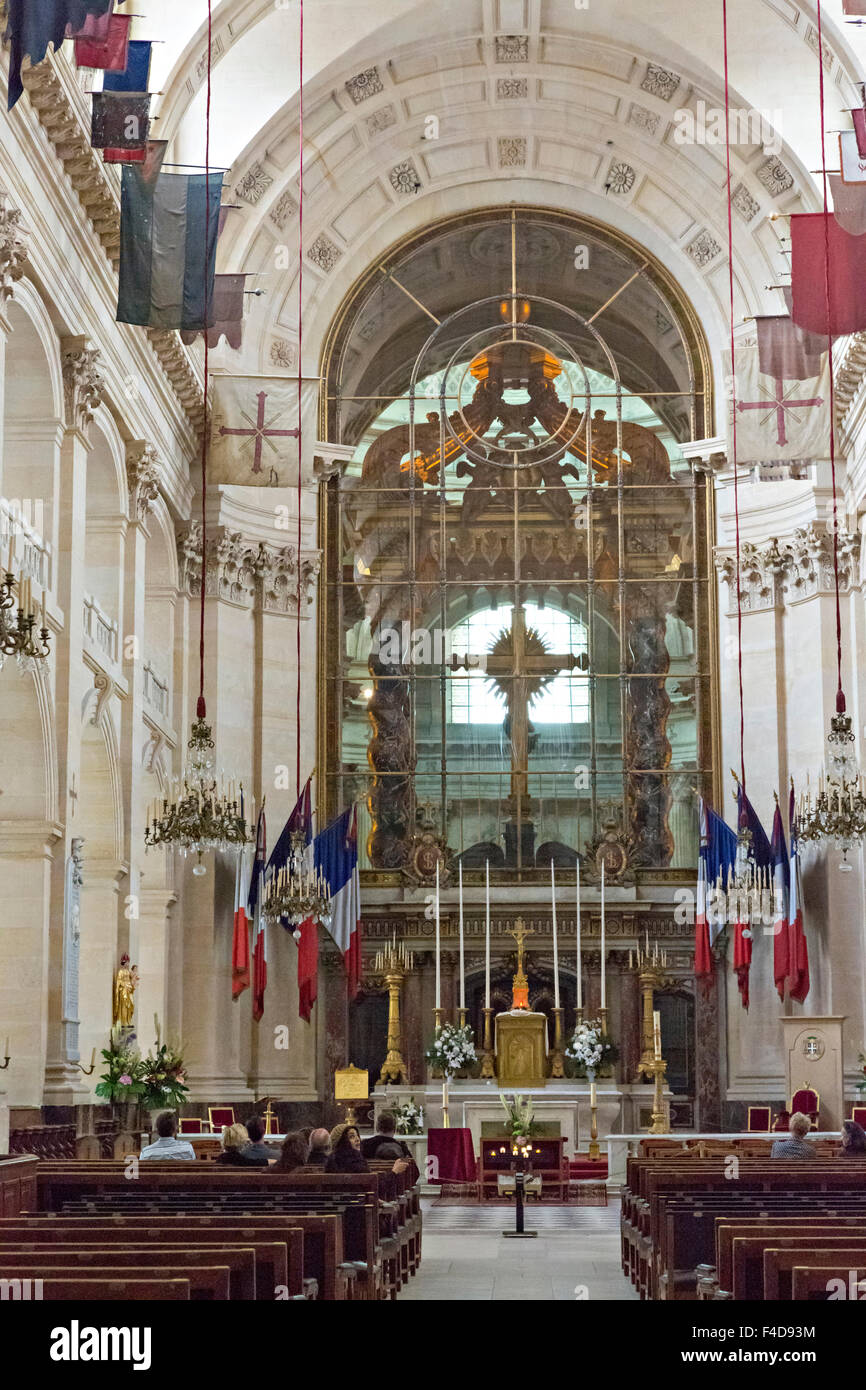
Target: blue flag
x,y
168,237
31,27
136,75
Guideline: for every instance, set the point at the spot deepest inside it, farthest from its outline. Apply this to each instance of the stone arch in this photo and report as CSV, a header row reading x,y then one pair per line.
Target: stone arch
x,y
33,414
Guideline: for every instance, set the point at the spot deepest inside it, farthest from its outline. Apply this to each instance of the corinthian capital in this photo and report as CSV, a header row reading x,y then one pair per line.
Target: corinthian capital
x,y
14,246
142,476
82,382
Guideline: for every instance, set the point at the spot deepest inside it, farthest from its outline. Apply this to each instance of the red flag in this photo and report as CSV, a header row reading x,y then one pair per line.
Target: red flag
x,y
254,902
858,116
352,957
308,967
94,26
822,254
111,55
780,902
798,951
241,934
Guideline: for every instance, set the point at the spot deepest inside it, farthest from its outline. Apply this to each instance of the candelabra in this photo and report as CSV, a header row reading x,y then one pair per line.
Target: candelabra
x,y
838,810
659,1123
199,814
650,966
297,892
557,1057
394,963
18,631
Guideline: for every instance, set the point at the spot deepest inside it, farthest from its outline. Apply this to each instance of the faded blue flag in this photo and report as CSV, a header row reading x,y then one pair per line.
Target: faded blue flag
x,y
168,237
31,27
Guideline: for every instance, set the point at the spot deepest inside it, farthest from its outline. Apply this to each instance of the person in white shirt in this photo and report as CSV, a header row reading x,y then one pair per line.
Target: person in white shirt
x,y
168,1145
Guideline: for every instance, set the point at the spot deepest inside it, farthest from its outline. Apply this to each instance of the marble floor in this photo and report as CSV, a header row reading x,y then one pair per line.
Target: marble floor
x,y
465,1257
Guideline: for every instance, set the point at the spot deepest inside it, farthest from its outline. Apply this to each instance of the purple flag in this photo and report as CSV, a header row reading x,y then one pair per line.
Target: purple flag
x,y
94,27
854,7
786,352
858,116
227,312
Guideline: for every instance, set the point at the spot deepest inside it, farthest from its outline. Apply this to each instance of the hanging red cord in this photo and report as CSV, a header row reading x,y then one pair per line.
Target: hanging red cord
x,y
200,707
840,694
300,377
734,398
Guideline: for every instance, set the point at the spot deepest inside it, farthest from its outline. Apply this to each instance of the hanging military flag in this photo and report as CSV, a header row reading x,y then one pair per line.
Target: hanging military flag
x,y
785,351
135,76
166,260
849,205
30,28
854,7
110,54
851,161
227,312
822,254
94,26
254,430
149,158
120,120
778,419
858,117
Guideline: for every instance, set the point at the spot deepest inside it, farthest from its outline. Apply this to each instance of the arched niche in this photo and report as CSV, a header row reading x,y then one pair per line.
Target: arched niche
x,y
32,413
105,530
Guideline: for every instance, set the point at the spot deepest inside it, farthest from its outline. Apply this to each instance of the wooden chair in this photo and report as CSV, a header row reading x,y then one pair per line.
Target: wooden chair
x,y
191,1124
220,1117
858,1115
758,1120
807,1102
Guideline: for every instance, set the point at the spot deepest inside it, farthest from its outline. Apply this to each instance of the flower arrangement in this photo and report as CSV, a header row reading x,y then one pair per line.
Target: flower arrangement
x,y
519,1122
122,1079
589,1048
409,1117
163,1077
452,1049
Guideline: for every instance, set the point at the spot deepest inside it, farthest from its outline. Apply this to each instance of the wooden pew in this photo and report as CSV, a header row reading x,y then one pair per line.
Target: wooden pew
x,y
114,1290
239,1261
206,1283
809,1282
778,1265
741,1243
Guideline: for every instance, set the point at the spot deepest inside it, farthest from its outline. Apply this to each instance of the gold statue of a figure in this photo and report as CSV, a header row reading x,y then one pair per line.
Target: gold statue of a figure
x,y
123,1004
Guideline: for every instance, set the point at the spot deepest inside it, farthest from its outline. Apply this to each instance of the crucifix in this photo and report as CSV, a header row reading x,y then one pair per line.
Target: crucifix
x,y
519,983
260,432
521,668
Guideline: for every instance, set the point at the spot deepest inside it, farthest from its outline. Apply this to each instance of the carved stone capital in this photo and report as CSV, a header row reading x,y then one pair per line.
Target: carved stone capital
x,y
241,572
14,246
142,476
330,459
82,382
797,569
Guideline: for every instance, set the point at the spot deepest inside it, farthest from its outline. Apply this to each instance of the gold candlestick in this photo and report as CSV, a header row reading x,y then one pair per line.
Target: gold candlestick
x,y
488,1071
461,1018
659,1123
395,963
445,1124
437,1021
651,977
594,1150
557,1059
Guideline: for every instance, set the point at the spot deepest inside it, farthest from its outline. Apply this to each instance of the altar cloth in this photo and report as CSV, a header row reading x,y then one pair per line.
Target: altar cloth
x,y
454,1154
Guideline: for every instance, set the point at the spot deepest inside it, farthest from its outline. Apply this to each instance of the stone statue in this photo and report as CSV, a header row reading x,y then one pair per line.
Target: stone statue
x,y
125,982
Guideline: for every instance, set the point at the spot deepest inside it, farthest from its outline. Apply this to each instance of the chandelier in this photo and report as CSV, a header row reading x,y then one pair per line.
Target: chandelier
x,y
748,897
199,814
19,636
837,811
297,892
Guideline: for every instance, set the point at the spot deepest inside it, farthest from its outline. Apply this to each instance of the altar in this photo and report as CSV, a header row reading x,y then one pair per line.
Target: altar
x,y
521,1049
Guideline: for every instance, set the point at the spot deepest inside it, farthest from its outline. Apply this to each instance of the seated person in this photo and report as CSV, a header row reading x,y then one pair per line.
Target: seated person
x,y
781,1122
320,1147
168,1145
256,1151
293,1154
235,1143
384,1143
346,1156
853,1140
798,1145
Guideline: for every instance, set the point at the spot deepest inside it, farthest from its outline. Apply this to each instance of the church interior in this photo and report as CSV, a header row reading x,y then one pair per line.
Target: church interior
x,y
432,650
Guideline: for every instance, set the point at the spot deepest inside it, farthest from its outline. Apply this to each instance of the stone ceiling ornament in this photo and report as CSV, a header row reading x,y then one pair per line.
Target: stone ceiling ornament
x,y
254,184
283,210
142,476
743,202
620,177
405,178
380,120
364,85
282,352
703,249
14,246
643,119
774,176
82,382
512,88
324,253
512,151
512,48
660,82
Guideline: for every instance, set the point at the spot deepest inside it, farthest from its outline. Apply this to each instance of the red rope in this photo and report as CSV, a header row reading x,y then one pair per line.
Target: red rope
x,y
840,694
300,376
734,397
200,707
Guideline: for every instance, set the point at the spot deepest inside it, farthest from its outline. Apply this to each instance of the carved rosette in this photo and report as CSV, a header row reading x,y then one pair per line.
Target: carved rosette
x,y
247,574
142,476
82,383
798,569
14,247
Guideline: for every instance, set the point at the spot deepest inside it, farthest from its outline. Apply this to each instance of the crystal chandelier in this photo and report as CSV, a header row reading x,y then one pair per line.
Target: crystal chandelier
x,y
748,896
837,811
199,814
19,636
297,892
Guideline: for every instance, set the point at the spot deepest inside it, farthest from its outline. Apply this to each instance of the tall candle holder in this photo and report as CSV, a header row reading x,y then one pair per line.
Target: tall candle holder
x,y
394,963
650,966
557,1057
488,1071
659,1123
594,1150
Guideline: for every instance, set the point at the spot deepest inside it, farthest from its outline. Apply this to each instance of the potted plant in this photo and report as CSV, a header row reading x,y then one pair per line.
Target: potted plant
x,y
409,1117
122,1082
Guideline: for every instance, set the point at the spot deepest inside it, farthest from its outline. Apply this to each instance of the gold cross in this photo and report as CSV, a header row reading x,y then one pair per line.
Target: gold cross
x,y
520,932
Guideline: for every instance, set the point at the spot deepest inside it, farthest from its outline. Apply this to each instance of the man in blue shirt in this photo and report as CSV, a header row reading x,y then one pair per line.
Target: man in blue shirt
x,y
168,1145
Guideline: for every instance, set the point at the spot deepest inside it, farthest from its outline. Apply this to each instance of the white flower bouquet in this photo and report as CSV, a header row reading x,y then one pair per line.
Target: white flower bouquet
x,y
589,1048
452,1049
409,1117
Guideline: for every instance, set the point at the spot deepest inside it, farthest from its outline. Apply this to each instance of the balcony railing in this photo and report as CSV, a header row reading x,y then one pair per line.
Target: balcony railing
x,y
22,522
100,630
156,691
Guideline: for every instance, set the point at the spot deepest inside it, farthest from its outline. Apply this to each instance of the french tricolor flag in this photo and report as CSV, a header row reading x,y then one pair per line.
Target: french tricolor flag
x,y
335,852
